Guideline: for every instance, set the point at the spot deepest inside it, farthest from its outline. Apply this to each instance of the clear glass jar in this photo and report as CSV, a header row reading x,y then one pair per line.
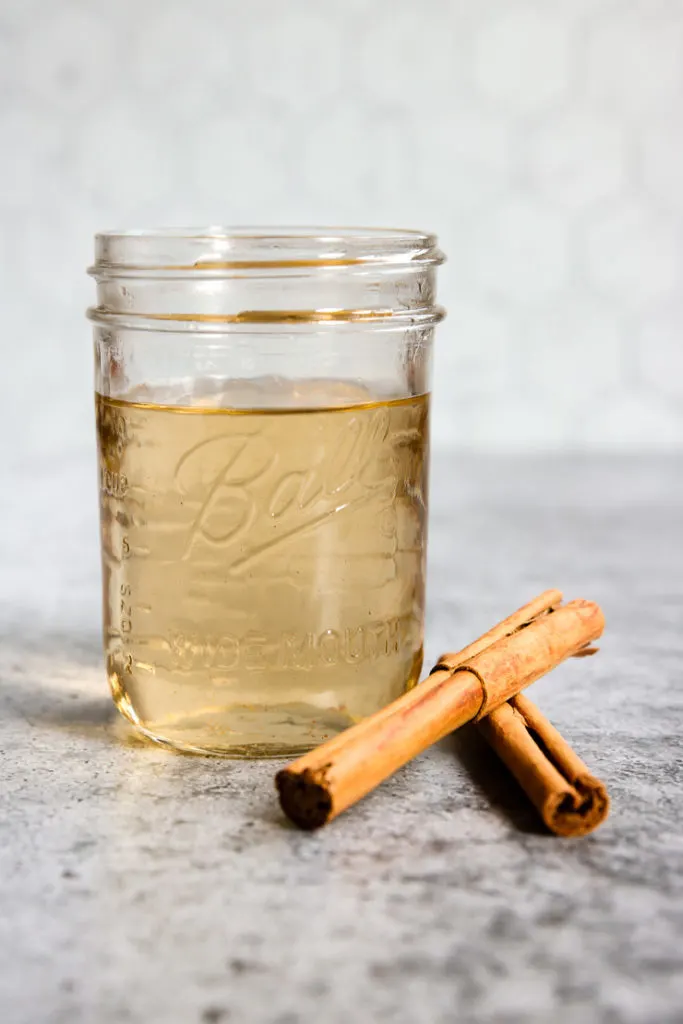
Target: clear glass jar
x,y
262,416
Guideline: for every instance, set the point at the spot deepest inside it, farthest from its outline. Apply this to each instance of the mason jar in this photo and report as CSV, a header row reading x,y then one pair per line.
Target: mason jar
x,y
262,401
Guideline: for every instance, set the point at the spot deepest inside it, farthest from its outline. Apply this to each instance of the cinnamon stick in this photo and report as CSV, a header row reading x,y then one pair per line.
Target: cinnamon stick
x,y
545,602
323,783
571,801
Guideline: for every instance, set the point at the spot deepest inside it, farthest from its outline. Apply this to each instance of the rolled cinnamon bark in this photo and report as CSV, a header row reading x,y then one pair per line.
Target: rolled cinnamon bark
x,y
544,603
323,783
571,801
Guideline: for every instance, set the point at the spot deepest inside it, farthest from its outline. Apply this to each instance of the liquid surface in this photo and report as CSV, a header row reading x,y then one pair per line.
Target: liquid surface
x,y
263,567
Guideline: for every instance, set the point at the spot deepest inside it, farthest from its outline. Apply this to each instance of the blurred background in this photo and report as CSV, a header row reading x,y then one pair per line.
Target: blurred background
x,y
541,139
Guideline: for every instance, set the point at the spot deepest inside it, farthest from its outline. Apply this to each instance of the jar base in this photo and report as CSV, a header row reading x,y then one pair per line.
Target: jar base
x,y
249,731
238,732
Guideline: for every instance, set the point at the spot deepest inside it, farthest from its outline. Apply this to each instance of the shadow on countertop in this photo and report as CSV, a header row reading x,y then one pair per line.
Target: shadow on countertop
x,y
55,679
493,781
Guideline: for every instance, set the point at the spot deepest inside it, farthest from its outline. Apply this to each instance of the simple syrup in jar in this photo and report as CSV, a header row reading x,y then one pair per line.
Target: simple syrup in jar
x,y
263,459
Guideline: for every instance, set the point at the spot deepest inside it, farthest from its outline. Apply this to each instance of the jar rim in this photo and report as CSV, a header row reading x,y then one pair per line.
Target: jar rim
x,y
210,250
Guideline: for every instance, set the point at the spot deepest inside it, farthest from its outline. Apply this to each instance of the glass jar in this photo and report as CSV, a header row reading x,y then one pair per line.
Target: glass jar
x,y
262,407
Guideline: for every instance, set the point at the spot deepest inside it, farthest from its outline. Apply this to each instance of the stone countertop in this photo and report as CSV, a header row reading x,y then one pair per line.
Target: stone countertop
x,y
142,886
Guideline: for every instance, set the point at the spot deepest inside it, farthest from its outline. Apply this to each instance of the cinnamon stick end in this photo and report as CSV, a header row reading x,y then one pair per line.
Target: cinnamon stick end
x,y
577,813
304,798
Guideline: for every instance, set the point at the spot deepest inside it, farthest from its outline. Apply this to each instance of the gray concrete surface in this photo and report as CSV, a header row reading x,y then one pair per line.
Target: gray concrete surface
x,y
140,886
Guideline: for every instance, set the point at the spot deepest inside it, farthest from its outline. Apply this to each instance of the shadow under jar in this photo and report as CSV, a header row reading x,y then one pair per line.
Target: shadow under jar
x,y
262,406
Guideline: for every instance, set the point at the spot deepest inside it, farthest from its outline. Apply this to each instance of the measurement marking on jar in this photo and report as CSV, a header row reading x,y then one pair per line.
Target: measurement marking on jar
x,y
147,640
125,610
137,639
145,666
113,485
128,551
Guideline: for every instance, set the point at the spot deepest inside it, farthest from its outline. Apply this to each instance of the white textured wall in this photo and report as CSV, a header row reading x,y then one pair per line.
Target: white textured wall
x,y
542,140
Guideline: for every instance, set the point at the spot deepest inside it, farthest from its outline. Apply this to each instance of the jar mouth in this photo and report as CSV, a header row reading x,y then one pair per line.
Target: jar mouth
x,y
216,251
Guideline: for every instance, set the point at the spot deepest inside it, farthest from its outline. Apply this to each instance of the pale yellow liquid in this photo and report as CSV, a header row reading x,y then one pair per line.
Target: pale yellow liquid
x,y
263,567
